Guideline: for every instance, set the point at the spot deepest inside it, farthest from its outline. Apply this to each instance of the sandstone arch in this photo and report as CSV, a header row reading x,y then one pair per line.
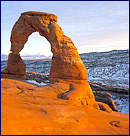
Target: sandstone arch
x,y
66,62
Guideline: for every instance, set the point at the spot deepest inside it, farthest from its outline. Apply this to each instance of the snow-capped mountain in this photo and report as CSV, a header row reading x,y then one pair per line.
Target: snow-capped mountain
x,y
28,57
35,57
4,57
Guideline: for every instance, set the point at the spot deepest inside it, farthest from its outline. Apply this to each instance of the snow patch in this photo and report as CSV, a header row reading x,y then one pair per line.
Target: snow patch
x,y
36,83
121,103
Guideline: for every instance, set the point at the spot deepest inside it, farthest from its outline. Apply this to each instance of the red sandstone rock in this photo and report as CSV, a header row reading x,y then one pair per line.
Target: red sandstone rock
x,y
104,107
66,62
27,109
16,65
105,97
4,71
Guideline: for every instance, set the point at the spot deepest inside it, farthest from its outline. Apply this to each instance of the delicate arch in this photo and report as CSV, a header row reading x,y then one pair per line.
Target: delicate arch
x,y
66,62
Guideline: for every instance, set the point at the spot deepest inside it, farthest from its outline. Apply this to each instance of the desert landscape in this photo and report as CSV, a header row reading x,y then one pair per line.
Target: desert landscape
x,y
68,104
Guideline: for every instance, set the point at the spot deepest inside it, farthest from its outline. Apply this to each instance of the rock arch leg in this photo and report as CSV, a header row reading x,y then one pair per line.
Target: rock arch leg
x,y
19,36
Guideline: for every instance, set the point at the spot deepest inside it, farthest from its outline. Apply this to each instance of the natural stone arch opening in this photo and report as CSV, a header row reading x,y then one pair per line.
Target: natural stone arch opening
x,y
66,62
36,44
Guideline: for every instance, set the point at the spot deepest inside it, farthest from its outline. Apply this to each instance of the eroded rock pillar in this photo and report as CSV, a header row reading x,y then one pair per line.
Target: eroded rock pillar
x,y
16,65
16,68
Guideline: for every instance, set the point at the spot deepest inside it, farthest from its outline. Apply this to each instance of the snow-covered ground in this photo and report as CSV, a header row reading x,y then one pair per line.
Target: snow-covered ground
x,y
108,67
36,83
121,103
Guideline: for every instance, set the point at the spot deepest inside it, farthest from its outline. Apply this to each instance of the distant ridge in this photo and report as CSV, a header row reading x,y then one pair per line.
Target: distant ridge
x,y
35,57
112,51
4,57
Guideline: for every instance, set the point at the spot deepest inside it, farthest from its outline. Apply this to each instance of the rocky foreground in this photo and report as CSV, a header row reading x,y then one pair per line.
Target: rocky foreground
x,y
27,109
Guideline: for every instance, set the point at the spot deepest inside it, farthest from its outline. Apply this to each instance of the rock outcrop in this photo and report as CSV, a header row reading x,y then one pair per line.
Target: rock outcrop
x,y
105,97
16,65
27,109
104,107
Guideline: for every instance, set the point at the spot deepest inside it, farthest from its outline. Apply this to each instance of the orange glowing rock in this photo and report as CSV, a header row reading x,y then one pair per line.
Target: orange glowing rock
x,y
27,109
66,62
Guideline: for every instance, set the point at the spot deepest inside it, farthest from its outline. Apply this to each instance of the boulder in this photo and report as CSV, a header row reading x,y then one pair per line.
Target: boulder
x,y
104,107
105,97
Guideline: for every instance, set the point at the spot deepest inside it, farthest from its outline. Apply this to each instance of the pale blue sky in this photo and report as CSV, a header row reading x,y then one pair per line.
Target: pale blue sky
x,y
93,26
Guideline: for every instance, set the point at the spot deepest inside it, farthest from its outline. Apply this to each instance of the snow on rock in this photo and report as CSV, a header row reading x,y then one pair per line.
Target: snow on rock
x,y
36,83
121,103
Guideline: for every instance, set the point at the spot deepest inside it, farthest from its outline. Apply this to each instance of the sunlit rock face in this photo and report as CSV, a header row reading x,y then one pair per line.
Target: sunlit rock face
x,y
66,62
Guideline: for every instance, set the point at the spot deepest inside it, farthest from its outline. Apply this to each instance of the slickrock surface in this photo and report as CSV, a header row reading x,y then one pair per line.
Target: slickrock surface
x,y
66,62
27,109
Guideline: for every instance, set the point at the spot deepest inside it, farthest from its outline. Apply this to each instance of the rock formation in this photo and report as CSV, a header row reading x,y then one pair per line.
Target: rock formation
x,y
105,97
16,65
66,62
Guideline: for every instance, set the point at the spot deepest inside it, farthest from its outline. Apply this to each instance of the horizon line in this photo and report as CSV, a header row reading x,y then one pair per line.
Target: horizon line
x,y
78,52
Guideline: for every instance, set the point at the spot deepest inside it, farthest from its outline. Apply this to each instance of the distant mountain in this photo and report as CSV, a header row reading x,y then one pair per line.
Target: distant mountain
x,y
35,57
27,57
113,52
4,57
